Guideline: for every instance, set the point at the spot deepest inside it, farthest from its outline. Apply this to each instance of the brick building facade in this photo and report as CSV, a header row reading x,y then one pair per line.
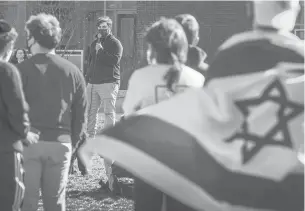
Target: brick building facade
x,y
218,21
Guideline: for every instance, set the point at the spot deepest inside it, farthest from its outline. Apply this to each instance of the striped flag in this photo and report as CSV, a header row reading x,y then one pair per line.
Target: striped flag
x,y
231,146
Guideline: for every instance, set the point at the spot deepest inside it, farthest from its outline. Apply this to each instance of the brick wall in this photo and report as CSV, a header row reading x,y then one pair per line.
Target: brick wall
x,y
146,15
218,19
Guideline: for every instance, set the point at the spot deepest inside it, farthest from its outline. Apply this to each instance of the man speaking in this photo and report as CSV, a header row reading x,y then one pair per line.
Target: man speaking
x,y
103,78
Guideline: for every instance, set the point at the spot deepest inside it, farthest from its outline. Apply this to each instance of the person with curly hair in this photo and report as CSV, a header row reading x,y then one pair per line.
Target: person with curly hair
x,y
55,90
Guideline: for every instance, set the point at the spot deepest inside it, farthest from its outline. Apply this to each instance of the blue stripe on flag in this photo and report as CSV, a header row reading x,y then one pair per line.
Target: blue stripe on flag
x,y
181,152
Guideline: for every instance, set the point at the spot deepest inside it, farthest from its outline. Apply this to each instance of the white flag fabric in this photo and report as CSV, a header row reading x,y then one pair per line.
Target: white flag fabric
x,y
232,145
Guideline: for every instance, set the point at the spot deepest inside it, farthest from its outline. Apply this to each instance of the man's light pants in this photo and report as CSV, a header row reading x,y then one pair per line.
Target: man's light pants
x,y
46,166
102,95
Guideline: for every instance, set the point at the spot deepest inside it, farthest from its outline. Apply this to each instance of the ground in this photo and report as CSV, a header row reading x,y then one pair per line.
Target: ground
x,y
83,193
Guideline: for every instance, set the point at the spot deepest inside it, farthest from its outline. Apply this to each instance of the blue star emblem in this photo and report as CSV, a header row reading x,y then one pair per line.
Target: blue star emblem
x,y
286,112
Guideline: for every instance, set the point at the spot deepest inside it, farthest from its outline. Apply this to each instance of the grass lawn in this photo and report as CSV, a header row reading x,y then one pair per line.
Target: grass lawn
x,y
83,193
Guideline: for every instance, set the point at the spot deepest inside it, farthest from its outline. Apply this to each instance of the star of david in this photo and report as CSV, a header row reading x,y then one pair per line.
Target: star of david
x,y
281,126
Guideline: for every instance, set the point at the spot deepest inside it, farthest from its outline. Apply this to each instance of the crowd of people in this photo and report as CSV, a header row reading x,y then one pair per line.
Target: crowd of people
x,y
49,107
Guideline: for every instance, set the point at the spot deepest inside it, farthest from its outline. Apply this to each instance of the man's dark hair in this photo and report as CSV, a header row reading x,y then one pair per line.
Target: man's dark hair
x,y
190,26
104,19
8,36
45,29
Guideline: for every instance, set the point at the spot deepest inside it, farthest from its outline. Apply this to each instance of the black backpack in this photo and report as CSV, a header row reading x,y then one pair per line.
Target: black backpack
x,y
123,181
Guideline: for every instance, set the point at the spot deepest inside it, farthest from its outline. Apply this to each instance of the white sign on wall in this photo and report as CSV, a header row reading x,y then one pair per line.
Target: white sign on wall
x,y
74,56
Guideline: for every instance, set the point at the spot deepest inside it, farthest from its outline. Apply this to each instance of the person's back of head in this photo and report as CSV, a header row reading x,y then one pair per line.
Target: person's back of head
x,y
43,33
8,36
168,41
280,15
167,45
190,26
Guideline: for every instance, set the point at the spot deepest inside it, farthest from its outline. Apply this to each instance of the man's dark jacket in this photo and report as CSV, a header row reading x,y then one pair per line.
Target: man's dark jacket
x,y
104,65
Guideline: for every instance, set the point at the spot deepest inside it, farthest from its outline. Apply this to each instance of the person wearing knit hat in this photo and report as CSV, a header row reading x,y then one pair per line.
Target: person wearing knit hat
x,y
14,124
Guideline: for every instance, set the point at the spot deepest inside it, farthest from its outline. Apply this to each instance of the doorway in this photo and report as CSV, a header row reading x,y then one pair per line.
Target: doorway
x,y
126,32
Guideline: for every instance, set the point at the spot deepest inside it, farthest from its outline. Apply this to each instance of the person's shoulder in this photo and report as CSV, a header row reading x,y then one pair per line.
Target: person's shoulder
x,y
192,76
7,68
152,70
137,74
141,75
114,40
65,65
63,62
93,43
191,72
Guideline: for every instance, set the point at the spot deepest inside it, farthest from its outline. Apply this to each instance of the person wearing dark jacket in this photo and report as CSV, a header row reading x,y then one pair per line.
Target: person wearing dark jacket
x,y
196,56
14,124
103,79
103,75
56,92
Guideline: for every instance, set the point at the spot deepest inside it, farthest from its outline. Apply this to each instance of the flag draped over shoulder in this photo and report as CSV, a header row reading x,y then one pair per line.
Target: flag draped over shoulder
x,y
222,147
232,145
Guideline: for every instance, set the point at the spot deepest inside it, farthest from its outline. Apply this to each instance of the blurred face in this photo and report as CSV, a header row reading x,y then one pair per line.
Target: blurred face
x,y
20,55
103,29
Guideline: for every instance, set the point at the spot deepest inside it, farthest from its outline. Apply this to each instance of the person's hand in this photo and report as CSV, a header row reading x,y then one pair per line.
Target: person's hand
x,y
98,46
31,138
